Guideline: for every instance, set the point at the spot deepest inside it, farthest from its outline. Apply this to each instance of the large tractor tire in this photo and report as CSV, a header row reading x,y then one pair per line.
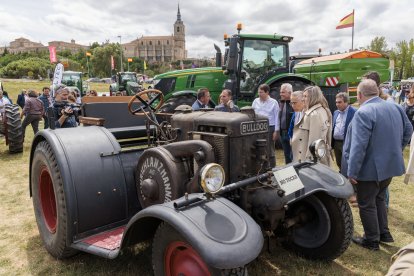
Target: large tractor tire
x,y
173,255
49,202
326,228
13,128
172,103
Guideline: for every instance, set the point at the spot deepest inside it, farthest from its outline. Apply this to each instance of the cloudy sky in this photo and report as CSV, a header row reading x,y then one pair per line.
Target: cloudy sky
x,y
311,23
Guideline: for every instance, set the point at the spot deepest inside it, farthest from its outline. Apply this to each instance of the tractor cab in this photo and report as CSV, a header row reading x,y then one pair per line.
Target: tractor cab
x,y
74,81
125,82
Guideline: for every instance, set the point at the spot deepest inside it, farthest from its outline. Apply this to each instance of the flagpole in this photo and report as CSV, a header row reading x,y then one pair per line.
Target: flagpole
x,y
352,46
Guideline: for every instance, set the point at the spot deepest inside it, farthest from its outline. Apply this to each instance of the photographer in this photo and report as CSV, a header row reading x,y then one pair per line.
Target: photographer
x,y
63,110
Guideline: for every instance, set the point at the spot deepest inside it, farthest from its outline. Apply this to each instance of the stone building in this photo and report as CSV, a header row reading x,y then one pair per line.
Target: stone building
x,y
159,48
71,46
22,45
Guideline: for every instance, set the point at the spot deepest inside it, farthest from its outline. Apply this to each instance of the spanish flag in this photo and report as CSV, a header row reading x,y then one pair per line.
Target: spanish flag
x,y
346,22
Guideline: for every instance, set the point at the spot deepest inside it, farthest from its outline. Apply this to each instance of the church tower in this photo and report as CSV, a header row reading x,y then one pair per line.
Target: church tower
x,y
179,37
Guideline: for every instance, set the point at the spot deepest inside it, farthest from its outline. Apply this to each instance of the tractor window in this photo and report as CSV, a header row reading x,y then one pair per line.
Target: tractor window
x,y
190,81
165,85
260,57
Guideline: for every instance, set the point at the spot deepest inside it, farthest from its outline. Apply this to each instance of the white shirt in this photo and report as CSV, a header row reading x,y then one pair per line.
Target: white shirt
x,y
268,108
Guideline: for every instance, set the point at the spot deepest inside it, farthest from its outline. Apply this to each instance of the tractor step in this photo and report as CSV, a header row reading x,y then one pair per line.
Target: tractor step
x,y
105,244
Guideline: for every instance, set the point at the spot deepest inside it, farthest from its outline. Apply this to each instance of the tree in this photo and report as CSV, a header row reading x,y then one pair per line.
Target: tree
x,y
100,61
378,44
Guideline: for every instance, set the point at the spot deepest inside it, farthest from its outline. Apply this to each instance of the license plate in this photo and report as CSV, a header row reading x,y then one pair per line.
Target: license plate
x,y
288,180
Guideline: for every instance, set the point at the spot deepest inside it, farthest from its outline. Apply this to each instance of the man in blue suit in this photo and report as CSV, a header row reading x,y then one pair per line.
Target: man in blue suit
x,y
373,155
341,119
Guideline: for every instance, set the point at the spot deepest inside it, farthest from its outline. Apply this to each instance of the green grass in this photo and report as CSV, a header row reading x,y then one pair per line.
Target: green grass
x,y
22,253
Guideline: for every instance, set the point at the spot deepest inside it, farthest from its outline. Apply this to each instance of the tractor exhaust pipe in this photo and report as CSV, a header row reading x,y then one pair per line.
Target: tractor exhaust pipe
x,y
218,55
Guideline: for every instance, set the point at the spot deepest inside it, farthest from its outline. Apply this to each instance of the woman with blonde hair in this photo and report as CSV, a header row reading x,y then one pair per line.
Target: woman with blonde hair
x,y
316,123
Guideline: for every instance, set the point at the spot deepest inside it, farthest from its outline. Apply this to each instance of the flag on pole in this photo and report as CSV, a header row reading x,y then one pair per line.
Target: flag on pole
x,y
181,64
112,63
52,54
346,22
130,60
88,54
145,65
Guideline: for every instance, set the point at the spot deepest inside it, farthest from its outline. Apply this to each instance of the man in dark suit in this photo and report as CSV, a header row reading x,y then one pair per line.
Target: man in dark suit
x,y
21,98
341,119
373,155
285,116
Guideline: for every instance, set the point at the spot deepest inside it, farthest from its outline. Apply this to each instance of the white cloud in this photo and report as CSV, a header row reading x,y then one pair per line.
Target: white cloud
x,y
312,23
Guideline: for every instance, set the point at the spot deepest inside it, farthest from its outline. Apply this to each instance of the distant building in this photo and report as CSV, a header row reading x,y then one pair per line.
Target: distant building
x,y
159,48
71,46
23,45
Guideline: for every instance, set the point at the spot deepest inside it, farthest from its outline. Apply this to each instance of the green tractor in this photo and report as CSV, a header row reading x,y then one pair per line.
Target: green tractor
x,y
74,81
250,60
126,83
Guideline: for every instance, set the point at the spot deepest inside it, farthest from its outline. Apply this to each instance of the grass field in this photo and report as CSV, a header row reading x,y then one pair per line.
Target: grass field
x,y
22,253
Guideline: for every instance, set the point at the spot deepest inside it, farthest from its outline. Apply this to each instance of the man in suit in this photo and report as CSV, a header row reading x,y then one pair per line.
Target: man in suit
x,y
373,155
203,98
285,116
341,119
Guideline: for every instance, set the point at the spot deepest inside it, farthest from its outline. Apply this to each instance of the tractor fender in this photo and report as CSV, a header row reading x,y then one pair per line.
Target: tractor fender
x,y
287,77
94,182
222,233
183,93
321,178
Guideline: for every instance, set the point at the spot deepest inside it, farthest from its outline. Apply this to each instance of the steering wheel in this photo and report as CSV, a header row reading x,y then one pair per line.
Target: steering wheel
x,y
147,99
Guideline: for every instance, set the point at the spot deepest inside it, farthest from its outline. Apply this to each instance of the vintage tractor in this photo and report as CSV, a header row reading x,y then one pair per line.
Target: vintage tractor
x,y
126,83
198,184
11,128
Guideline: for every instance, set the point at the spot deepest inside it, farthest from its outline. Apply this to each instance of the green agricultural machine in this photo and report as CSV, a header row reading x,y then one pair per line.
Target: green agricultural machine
x,y
126,83
74,81
342,72
251,60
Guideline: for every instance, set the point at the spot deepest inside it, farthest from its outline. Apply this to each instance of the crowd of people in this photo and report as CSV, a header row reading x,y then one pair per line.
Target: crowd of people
x,y
356,137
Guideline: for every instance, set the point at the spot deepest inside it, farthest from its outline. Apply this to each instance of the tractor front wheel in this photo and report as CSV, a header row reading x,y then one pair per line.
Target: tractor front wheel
x,y
49,202
173,255
325,227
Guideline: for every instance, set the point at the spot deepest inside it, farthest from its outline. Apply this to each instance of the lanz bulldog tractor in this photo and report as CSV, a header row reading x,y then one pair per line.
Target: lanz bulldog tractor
x,y
202,190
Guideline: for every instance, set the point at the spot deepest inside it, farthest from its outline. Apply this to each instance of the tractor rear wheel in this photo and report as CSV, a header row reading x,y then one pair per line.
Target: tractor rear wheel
x,y
13,128
173,255
325,228
49,202
172,103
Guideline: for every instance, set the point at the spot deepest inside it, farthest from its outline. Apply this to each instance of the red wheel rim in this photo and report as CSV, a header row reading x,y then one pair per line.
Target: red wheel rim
x,y
181,259
47,199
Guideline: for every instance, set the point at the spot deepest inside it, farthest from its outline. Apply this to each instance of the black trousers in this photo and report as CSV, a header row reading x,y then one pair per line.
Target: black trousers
x,y
372,208
337,147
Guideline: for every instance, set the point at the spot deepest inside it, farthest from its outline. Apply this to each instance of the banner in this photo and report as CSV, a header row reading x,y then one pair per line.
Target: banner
x,y
130,60
112,63
145,65
52,54
88,54
57,77
346,22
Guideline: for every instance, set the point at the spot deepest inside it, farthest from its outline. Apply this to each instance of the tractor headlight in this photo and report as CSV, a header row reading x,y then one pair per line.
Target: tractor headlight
x,y
212,178
318,149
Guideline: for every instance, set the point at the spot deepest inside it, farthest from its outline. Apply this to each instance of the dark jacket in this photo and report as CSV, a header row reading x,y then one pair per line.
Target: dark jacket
x,y
289,114
21,100
45,101
349,116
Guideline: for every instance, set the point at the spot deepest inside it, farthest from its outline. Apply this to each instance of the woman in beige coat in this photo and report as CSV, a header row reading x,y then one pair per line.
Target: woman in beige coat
x,y
316,123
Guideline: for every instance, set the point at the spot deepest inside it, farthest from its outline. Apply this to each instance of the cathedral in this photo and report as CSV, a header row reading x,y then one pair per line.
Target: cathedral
x,y
159,48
